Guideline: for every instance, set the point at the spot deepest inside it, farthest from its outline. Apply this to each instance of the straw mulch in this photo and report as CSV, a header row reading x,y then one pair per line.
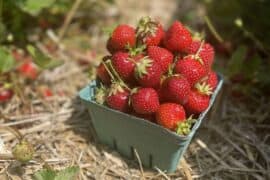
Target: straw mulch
x,y
232,143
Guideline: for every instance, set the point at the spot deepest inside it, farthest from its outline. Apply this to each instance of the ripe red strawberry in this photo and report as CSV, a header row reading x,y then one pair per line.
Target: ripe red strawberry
x,y
206,52
110,46
47,93
29,70
191,68
5,95
122,36
161,55
198,99
118,98
177,38
148,73
175,89
145,101
123,66
102,73
149,32
169,115
212,80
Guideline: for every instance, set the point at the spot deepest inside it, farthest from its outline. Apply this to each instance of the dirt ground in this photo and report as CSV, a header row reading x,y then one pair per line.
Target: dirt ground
x,y
232,143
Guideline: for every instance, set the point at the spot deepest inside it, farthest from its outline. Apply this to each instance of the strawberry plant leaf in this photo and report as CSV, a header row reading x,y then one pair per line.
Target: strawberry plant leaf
x,y
68,173
7,61
33,7
40,59
235,64
45,174
252,66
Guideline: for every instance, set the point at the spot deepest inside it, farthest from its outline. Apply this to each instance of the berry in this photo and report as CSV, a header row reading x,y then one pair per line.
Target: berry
x,y
118,98
5,94
148,73
145,101
23,151
191,68
123,66
197,102
206,53
177,38
102,73
29,70
122,36
169,115
149,32
212,80
175,89
109,46
160,55
47,93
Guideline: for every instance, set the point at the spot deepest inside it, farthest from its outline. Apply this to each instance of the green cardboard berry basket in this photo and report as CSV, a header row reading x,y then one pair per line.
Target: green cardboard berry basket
x,y
155,145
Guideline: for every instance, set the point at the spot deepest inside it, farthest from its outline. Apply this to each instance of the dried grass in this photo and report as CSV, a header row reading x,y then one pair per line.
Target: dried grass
x,y
232,145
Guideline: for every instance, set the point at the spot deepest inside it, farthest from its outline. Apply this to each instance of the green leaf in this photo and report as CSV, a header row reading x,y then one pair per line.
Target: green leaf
x,y
7,61
45,174
235,64
252,66
41,59
35,6
67,174
110,1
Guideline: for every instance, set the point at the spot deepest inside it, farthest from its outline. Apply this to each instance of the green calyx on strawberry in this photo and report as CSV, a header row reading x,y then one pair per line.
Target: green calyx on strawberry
x,y
118,97
198,99
184,127
149,32
100,94
148,73
141,67
204,88
134,51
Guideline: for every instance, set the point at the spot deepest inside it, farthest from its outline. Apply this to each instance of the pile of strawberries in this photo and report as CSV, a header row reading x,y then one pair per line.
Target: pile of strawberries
x,y
162,76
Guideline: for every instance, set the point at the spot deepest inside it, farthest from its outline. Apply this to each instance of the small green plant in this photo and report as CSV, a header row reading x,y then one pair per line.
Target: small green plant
x,y
68,173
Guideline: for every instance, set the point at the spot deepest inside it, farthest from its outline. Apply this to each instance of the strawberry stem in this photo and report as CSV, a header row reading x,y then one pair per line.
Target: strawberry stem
x,y
118,78
108,70
200,48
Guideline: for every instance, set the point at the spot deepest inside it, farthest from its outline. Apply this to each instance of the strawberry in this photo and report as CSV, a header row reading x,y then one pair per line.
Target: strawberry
x,y
47,93
102,73
161,55
124,64
110,46
175,89
212,80
122,36
148,73
191,68
145,100
149,32
206,52
169,115
5,94
198,99
29,70
118,98
177,38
